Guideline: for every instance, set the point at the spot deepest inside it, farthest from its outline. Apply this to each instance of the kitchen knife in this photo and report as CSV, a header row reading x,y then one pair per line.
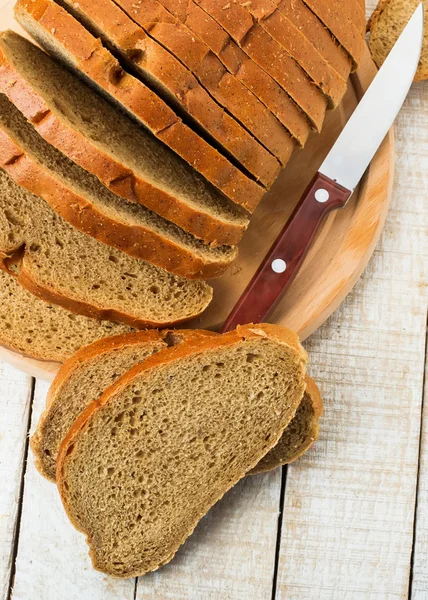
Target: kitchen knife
x,y
337,178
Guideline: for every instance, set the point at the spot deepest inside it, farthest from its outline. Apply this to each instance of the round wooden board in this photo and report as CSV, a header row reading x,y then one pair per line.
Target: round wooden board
x,y
338,255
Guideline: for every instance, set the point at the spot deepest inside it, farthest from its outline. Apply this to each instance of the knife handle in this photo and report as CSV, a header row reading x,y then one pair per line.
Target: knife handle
x,y
285,257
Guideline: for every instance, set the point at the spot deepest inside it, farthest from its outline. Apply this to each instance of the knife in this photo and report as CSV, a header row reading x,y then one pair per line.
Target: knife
x,y
337,178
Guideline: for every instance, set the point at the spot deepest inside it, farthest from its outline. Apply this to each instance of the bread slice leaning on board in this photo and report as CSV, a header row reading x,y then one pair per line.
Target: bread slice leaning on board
x,y
179,46
143,464
127,159
42,330
63,36
93,369
385,25
61,265
89,206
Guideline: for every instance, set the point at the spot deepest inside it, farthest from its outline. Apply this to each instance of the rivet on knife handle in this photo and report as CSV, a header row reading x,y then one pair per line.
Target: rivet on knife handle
x,y
284,259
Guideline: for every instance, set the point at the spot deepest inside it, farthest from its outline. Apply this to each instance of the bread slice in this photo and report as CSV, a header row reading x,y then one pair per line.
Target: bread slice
x,y
63,36
270,56
45,331
82,201
283,31
128,38
387,23
351,38
250,74
128,160
312,28
142,465
60,264
85,376
300,434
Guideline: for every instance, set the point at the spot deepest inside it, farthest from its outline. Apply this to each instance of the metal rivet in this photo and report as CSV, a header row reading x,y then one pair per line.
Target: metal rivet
x,y
278,265
322,195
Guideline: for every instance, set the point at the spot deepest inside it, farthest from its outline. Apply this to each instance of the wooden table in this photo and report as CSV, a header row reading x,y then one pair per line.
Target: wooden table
x,y
348,522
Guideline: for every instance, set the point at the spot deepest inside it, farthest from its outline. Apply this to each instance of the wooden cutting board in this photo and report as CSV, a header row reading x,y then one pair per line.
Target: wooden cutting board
x,y
339,253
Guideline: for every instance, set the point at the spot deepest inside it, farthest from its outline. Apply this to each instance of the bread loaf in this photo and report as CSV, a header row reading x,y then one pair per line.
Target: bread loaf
x,y
58,32
143,464
127,159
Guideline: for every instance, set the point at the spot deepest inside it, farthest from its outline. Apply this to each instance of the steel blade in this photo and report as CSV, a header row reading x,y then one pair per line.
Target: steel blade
x,y
364,132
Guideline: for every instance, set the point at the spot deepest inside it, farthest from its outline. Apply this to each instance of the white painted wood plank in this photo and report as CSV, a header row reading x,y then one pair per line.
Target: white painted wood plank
x,y
231,554
15,395
419,584
53,561
349,504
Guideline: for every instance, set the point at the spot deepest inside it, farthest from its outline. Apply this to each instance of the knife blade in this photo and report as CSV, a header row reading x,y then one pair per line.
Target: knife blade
x,y
337,178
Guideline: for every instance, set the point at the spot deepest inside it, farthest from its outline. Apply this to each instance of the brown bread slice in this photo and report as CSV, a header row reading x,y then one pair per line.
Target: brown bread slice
x,y
249,73
193,54
44,331
343,30
299,436
385,26
315,31
62,35
84,377
151,62
84,202
143,464
283,31
128,160
58,263
270,56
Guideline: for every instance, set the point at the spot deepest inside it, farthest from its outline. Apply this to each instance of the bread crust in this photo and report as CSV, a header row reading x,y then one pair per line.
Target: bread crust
x,y
162,358
137,241
236,62
271,460
349,37
84,355
98,64
270,56
282,29
119,178
312,28
184,47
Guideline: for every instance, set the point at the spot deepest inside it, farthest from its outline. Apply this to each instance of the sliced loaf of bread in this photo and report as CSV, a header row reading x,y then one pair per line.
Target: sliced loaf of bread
x,y
84,202
149,59
199,69
85,376
63,36
282,30
300,434
142,465
129,160
85,55
44,331
210,33
270,56
315,31
60,264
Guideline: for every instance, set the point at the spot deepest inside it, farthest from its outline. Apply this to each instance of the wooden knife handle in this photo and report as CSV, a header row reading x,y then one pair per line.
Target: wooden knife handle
x,y
284,259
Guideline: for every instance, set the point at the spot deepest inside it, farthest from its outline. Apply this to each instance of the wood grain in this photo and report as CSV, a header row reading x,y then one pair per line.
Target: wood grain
x,y
15,395
338,255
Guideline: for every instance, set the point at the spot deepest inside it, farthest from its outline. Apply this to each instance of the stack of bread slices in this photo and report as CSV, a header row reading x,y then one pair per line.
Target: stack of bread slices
x,y
144,432
136,143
